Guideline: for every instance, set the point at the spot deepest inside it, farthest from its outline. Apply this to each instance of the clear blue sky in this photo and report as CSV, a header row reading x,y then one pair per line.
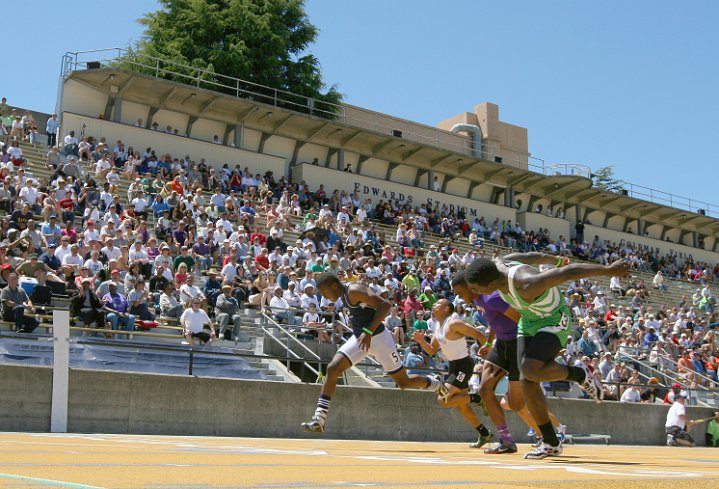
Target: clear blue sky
x,y
630,84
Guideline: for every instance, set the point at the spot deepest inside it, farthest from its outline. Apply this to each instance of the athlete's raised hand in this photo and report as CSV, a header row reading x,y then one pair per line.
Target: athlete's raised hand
x,y
619,268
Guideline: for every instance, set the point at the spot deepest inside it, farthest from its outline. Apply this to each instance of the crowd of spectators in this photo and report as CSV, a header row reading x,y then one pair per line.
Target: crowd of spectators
x,y
128,261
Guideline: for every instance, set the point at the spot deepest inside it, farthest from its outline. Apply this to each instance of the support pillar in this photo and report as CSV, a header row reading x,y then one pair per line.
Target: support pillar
x,y
151,116
239,134
117,113
60,370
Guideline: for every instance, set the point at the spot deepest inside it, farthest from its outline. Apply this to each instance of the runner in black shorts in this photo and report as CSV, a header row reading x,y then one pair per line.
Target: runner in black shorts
x,y
450,336
500,361
369,337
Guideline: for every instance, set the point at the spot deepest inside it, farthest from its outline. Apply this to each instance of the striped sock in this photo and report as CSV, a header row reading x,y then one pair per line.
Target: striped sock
x,y
323,407
504,434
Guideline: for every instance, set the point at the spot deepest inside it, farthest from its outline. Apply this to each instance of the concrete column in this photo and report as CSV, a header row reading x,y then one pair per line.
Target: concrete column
x,y
340,160
239,134
190,122
508,197
151,115
430,179
60,370
117,114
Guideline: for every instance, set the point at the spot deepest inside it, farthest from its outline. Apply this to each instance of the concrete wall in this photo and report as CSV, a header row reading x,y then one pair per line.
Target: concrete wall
x,y
532,221
25,397
663,246
216,155
499,138
411,131
118,402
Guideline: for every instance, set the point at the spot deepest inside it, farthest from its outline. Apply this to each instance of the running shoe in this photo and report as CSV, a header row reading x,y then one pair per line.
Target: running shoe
x,y
313,426
538,440
443,391
562,432
500,448
591,385
481,441
531,432
544,451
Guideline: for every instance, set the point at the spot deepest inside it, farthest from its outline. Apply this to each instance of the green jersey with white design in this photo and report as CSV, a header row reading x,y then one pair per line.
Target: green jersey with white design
x,y
546,314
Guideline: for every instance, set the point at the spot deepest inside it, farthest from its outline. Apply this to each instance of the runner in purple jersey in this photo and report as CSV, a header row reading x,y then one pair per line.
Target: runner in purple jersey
x,y
494,310
501,360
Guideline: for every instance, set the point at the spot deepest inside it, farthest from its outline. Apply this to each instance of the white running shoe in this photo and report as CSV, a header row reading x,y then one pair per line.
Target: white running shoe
x,y
591,385
543,451
314,425
437,385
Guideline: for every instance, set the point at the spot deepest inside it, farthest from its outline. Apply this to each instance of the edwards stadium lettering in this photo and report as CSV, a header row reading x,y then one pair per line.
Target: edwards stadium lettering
x,y
408,199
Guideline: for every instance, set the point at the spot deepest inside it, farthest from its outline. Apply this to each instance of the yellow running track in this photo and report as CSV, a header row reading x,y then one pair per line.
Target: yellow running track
x,y
36,460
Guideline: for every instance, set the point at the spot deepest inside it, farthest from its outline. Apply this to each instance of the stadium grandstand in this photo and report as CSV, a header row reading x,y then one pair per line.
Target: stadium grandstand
x,y
183,223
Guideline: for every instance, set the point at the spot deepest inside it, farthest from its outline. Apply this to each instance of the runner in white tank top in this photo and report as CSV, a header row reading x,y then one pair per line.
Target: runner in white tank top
x,y
452,349
451,336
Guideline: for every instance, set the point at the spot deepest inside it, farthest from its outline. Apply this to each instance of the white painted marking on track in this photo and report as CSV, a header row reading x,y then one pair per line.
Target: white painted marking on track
x,y
571,468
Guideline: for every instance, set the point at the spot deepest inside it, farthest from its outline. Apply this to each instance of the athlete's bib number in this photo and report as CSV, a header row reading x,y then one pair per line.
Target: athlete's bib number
x,y
395,357
564,322
460,377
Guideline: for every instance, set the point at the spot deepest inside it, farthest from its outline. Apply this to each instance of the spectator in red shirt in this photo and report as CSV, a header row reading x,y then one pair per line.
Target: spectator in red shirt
x,y
69,231
670,396
611,315
258,234
411,306
68,208
262,260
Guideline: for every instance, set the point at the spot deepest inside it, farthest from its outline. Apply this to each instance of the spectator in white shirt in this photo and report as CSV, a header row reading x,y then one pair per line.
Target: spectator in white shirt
x,y
189,292
193,320
111,251
139,204
72,261
281,308
308,297
93,264
102,167
91,233
632,395
30,195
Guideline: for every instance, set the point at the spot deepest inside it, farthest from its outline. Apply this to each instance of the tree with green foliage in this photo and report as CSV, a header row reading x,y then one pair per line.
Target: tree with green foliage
x,y
604,179
263,42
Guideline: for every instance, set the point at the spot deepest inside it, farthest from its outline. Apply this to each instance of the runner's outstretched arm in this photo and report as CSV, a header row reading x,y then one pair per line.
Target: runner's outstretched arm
x,y
532,285
464,329
537,258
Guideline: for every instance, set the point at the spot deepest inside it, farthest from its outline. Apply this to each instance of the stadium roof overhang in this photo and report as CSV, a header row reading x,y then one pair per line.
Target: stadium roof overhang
x,y
304,128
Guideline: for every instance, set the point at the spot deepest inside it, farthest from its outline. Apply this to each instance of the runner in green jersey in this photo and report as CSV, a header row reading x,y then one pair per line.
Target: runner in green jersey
x,y
543,326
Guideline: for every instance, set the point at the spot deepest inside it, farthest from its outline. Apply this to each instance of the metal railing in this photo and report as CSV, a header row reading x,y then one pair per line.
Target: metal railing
x,y
675,201
291,340
569,169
